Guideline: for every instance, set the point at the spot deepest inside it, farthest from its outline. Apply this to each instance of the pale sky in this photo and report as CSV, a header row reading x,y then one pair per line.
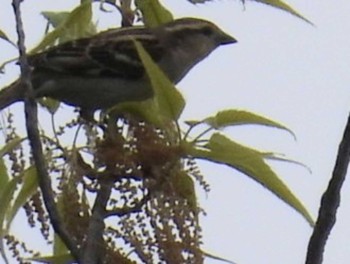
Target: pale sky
x,y
281,68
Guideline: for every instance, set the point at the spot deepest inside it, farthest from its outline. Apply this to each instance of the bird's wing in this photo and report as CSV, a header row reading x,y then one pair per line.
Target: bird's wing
x,y
111,53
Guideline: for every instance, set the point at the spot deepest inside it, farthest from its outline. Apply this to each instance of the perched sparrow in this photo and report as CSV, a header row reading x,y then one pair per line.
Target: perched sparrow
x,y
104,70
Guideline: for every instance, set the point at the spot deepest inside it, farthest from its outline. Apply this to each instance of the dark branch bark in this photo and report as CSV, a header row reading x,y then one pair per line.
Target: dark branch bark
x,y
330,202
94,248
34,138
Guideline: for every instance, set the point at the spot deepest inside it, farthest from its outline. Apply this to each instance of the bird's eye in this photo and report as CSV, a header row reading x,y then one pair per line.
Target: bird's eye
x,y
207,31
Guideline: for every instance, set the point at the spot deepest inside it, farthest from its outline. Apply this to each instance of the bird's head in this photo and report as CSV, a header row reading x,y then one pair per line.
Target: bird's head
x,y
190,40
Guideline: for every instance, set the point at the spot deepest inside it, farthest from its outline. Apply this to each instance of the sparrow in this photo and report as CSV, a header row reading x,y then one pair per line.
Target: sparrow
x,y
104,70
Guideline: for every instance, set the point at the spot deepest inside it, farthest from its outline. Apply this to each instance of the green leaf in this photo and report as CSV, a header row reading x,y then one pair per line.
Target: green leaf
x,y
59,248
6,198
168,100
2,66
11,145
4,37
285,7
64,258
208,255
153,13
28,188
4,180
76,25
4,177
55,18
145,110
50,104
61,254
234,117
167,103
250,162
193,123
278,157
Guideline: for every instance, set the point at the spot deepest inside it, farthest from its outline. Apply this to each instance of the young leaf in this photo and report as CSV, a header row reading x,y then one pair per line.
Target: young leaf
x,y
55,18
208,255
239,117
28,188
4,177
145,110
10,146
285,7
6,198
2,66
77,24
153,13
278,157
50,104
56,259
251,163
4,37
59,248
168,99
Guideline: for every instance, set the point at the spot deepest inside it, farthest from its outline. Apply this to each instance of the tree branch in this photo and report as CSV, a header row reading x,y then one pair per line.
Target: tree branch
x,y
94,248
34,138
330,202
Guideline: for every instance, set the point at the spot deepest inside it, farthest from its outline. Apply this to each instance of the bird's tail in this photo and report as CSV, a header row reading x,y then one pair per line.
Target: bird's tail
x,y
11,94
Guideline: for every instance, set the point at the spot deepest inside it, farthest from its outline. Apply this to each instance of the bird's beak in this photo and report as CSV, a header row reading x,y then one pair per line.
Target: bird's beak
x,y
226,39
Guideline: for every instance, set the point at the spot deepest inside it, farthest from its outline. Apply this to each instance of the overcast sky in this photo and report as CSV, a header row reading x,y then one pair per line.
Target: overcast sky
x,y
282,68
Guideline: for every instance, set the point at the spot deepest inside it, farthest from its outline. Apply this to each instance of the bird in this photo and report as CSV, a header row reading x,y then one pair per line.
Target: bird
x,y
101,71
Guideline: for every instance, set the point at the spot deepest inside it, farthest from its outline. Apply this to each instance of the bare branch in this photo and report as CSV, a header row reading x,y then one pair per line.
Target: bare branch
x,y
94,248
34,138
330,202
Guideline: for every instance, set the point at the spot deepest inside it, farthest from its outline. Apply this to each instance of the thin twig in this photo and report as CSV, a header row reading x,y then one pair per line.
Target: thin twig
x,y
330,202
94,248
34,138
